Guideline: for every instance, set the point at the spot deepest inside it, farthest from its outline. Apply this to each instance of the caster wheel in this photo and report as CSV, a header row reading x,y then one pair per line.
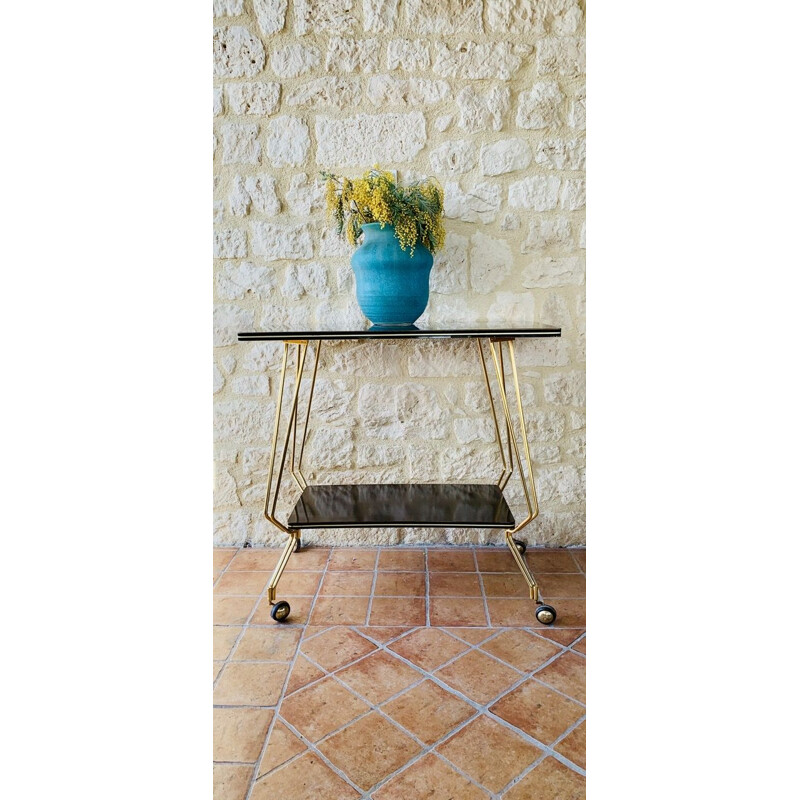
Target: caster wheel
x,y
280,611
546,614
521,546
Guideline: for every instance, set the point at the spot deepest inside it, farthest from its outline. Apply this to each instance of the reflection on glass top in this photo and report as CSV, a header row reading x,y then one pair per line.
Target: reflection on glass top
x,y
404,332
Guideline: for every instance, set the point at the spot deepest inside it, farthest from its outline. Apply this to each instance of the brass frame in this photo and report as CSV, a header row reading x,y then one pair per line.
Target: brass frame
x,y
496,350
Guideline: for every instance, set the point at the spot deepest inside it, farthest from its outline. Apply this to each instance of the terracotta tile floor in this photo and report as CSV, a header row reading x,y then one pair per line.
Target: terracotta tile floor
x,y
402,673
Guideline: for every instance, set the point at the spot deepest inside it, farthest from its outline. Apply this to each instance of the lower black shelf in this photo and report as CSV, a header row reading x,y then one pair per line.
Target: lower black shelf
x,y
402,505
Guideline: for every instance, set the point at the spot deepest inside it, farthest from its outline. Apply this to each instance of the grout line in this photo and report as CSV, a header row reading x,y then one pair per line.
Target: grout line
x,y
281,696
427,592
483,589
374,583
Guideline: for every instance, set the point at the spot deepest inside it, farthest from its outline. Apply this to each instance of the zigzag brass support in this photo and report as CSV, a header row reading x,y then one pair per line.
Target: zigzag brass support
x,y
503,479
291,433
298,473
530,495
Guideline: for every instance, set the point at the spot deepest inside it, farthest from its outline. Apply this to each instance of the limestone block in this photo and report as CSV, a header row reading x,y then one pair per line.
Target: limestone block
x,y
538,193
565,484
443,122
542,352
447,310
370,360
576,421
411,55
473,61
366,139
349,55
228,321
237,53
379,15
344,315
565,55
547,232
452,158
332,402
434,359
544,426
294,59
449,273
331,447
240,144
482,111
219,379
474,430
547,272
235,281
564,17
260,356
287,141
324,16
539,107
554,311
331,244
274,241
444,16
511,308
474,463
303,279
480,204
256,192
510,222
582,237
565,389
228,8
507,155
379,455
562,154
490,262
250,385
576,116
516,16
305,195
231,527
271,15
576,445
230,243
322,92
385,90
573,196
476,399
218,107
253,98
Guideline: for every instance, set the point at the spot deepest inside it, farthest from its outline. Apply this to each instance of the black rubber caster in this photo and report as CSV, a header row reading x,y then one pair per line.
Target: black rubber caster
x,y
546,614
521,546
280,611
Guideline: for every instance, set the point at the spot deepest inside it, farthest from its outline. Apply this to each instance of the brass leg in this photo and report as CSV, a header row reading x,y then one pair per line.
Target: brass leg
x,y
501,481
281,566
291,433
530,494
298,475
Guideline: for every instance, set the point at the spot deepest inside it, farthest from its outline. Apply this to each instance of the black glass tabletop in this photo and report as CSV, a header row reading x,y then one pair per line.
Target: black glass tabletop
x,y
405,332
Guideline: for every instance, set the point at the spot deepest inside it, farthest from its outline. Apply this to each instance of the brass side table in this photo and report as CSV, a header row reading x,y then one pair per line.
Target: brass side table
x,y
422,505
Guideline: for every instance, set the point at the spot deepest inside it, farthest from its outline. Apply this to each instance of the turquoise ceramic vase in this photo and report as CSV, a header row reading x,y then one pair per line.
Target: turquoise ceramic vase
x,y
391,286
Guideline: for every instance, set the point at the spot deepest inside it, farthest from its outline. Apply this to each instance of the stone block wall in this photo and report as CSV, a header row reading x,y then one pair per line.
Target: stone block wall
x,y
488,96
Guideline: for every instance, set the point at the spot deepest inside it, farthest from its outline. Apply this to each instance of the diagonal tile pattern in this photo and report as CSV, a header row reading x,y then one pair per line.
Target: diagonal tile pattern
x,y
402,673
